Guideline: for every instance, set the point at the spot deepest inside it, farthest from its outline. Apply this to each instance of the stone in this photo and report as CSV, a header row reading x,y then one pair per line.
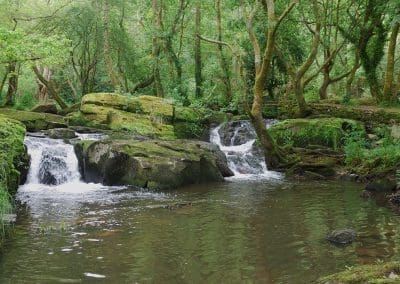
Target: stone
x,y
342,237
395,131
61,133
53,170
153,164
35,121
382,185
49,107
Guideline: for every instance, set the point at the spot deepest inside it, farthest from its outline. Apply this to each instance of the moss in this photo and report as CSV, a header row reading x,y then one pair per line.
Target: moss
x,y
79,119
150,149
365,114
35,121
149,105
189,130
377,273
139,124
329,132
189,114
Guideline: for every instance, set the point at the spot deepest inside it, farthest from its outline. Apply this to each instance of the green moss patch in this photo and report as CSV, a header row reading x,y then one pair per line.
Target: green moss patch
x,y
378,273
35,121
328,132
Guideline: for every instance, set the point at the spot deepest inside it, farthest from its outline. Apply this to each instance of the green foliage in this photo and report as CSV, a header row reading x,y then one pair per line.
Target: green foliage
x,y
377,157
329,132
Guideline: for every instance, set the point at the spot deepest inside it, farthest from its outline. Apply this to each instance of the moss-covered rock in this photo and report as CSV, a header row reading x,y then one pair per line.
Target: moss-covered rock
x,y
35,121
329,132
154,164
155,106
377,273
142,115
49,107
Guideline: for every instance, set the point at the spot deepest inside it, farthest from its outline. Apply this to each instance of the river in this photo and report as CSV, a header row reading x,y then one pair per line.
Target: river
x,y
263,229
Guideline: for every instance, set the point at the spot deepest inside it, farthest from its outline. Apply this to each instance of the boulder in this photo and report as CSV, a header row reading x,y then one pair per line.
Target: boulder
x,y
61,133
342,237
142,115
382,185
395,131
35,121
53,170
236,133
153,164
48,107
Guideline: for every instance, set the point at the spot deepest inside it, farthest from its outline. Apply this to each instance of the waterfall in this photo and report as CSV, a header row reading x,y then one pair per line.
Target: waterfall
x,y
237,140
53,161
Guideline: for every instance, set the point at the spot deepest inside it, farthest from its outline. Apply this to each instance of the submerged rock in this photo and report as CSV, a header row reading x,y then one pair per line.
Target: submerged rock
x,y
342,237
153,164
236,133
61,133
382,185
53,170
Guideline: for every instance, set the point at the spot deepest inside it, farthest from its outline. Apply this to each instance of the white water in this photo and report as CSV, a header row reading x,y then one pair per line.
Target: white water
x,y
243,158
53,162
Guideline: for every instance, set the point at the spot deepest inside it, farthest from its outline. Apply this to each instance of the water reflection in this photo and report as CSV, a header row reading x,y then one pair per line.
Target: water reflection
x,y
270,232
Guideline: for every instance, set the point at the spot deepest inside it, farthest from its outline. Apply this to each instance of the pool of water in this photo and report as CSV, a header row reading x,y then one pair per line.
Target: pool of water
x,y
238,231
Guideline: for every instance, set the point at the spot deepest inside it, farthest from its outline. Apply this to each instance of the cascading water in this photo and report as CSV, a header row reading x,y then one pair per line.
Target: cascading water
x,y
237,140
53,162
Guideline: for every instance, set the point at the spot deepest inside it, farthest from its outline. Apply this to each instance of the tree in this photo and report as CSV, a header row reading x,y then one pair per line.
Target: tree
x,y
262,62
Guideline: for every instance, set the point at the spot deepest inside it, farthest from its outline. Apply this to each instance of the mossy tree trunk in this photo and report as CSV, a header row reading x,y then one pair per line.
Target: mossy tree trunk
x,y
51,88
157,22
389,93
223,62
273,155
112,74
13,71
197,51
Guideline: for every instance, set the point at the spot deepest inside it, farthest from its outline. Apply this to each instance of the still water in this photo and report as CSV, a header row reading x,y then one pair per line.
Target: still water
x,y
264,231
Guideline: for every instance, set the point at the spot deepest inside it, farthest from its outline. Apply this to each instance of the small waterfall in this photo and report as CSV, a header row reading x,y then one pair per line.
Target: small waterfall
x,y
53,162
237,140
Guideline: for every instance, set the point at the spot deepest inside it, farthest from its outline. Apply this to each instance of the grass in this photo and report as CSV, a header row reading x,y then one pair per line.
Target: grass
x,y
366,157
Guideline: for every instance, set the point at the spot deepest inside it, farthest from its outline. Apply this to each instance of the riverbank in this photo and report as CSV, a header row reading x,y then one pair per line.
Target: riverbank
x,y
14,164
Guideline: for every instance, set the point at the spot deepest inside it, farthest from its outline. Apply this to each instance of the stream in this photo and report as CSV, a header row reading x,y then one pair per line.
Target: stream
x,y
255,227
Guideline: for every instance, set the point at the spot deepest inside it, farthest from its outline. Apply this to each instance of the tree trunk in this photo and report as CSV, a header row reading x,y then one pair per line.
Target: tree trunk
x,y
42,92
157,19
323,90
389,95
223,62
351,77
12,84
197,51
107,47
52,90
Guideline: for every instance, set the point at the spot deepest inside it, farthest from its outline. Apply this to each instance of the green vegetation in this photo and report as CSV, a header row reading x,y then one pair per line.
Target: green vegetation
x,y
329,132
12,157
373,274
378,156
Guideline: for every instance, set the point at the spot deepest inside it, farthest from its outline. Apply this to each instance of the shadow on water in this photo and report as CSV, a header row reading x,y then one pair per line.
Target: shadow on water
x,y
237,231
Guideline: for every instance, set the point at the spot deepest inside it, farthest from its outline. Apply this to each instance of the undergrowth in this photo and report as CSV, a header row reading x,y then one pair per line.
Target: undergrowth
x,y
364,156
